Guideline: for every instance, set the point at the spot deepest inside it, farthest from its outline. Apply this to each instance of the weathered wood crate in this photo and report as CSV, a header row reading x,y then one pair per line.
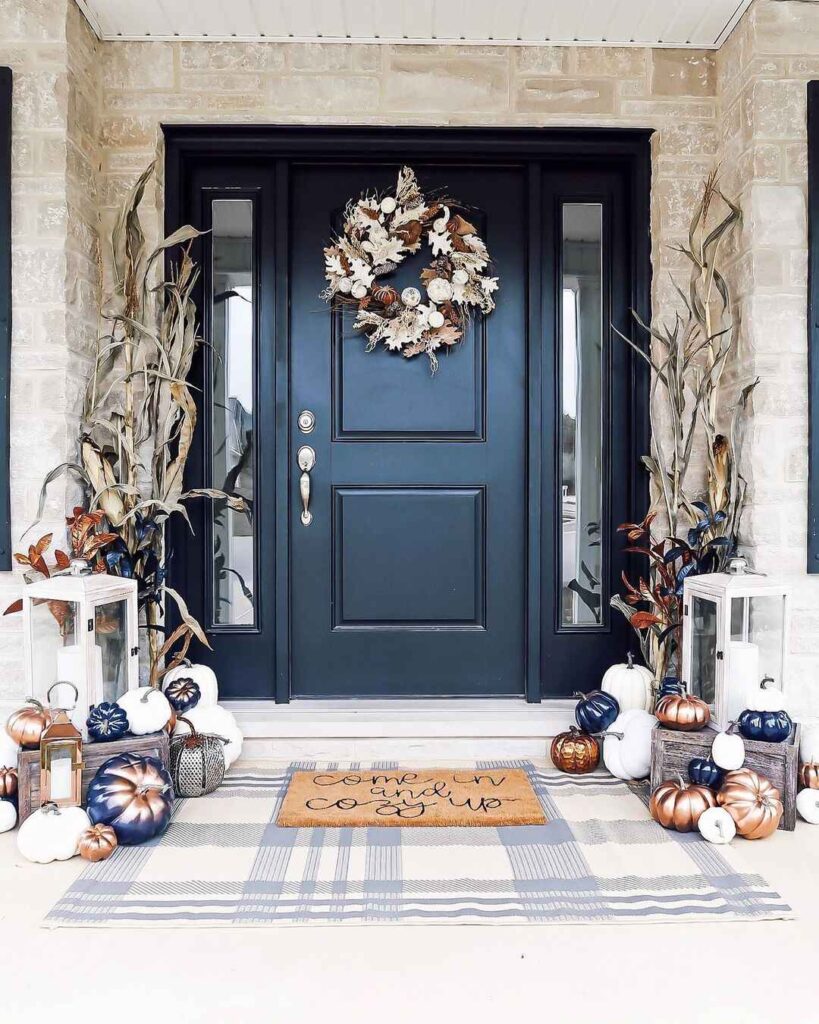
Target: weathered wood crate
x,y
779,762
155,744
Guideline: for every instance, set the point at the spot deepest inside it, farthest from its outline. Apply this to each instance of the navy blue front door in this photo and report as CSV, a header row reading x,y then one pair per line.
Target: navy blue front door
x,y
463,534
410,579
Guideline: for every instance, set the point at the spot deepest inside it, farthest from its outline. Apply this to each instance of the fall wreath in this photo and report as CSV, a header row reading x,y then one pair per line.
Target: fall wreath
x,y
378,233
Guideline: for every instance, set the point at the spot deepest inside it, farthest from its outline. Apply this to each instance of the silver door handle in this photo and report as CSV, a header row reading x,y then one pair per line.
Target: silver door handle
x,y
306,459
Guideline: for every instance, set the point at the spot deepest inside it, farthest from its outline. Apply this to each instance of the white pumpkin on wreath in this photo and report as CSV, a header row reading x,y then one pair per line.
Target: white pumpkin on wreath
x,y
378,234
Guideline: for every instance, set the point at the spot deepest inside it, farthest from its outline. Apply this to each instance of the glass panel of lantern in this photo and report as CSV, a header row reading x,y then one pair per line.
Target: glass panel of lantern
x,y
81,628
735,628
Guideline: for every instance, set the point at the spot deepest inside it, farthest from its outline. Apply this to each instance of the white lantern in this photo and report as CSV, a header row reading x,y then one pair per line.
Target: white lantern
x,y
735,629
82,628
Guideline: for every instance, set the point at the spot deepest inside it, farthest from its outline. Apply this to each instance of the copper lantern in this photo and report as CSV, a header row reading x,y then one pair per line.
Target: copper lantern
x,y
61,759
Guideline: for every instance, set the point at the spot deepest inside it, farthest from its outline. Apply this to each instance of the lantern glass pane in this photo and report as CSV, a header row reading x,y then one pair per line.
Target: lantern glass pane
x,y
760,620
703,649
55,645
61,765
111,661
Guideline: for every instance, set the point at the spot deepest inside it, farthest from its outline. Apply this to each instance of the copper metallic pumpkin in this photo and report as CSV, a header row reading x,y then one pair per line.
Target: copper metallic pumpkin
x,y
26,725
8,783
575,752
683,711
98,842
809,775
678,805
752,801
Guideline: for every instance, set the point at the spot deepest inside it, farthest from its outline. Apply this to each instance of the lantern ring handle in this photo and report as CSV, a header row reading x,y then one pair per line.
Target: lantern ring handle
x,y
63,682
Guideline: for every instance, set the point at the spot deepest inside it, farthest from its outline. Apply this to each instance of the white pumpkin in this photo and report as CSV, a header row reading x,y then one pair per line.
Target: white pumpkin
x,y
147,708
8,750
203,676
627,745
807,803
8,815
630,685
717,826
766,697
52,833
217,721
728,750
809,744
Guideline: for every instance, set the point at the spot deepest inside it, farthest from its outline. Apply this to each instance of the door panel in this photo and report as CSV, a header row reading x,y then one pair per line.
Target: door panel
x,y
410,580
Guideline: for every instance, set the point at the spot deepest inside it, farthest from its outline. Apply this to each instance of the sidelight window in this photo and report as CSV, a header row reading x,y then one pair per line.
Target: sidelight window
x,y
232,421
583,593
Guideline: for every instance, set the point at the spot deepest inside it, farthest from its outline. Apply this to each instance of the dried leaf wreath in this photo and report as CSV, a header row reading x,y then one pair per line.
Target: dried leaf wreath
x,y
378,234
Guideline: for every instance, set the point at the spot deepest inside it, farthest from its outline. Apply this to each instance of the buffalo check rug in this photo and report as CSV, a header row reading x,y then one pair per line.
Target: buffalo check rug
x,y
599,859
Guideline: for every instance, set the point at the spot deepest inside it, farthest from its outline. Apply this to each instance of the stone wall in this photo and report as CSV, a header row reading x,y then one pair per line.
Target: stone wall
x,y
761,73
88,117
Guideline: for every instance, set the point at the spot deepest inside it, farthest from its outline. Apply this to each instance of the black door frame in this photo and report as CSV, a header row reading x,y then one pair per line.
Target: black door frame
x,y
188,146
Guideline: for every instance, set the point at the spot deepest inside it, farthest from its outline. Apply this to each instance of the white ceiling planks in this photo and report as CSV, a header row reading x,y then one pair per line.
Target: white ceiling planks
x,y
694,23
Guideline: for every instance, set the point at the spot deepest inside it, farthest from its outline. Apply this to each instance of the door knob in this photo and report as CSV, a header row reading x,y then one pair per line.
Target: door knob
x,y
306,459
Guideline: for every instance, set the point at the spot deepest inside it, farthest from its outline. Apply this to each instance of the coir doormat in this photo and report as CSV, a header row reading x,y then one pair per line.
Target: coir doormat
x,y
430,797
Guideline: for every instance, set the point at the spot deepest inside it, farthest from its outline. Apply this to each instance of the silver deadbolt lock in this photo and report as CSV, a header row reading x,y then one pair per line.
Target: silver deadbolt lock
x,y
307,421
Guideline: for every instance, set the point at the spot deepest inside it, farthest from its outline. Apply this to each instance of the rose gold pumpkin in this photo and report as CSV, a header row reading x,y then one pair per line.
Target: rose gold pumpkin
x,y
97,842
575,752
683,711
678,805
26,725
752,801
8,782
809,775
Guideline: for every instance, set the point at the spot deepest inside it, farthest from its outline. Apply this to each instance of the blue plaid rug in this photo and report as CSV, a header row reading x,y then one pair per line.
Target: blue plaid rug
x,y
599,859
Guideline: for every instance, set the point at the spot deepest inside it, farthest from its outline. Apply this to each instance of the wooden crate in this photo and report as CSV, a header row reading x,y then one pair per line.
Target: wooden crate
x,y
155,744
779,762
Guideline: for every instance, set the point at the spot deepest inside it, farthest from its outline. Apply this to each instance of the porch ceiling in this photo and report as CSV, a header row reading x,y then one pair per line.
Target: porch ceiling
x,y
683,23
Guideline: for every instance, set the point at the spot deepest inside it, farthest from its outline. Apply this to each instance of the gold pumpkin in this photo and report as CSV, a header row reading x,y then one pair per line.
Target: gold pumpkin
x,y
752,801
678,805
683,711
575,752
8,782
27,724
97,842
809,775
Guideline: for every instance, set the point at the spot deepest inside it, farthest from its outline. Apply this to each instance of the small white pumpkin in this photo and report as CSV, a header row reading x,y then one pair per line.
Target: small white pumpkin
x,y
216,721
52,833
147,708
807,803
717,826
8,815
627,745
8,750
766,697
203,676
728,750
809,744
629,684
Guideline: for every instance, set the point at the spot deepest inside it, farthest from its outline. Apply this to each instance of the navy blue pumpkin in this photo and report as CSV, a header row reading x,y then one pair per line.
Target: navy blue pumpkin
x,y
595,711
670,685
134,795
106,721
183,693
769,726
702,771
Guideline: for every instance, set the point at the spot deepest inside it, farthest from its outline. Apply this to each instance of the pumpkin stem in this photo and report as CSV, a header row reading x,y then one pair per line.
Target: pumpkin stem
x,y
630,657
609,732
190,725
765,680
36,703
579,696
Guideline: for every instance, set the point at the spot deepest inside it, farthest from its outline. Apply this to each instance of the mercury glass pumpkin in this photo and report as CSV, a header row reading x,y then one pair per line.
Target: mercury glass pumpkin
x,y
575,752
134,795
183,693
106,721
197,762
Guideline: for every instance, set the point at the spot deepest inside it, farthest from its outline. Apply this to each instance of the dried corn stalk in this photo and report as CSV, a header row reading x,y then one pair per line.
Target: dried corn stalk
x,y
139,415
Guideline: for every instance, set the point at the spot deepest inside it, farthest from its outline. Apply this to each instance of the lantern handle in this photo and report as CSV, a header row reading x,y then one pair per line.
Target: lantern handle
x,y
64,682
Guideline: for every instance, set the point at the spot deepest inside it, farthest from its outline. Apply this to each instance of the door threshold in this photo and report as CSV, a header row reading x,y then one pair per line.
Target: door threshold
x,y
422,729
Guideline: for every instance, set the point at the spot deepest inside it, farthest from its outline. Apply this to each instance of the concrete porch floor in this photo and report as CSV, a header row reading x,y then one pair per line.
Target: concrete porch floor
x,y
744,973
